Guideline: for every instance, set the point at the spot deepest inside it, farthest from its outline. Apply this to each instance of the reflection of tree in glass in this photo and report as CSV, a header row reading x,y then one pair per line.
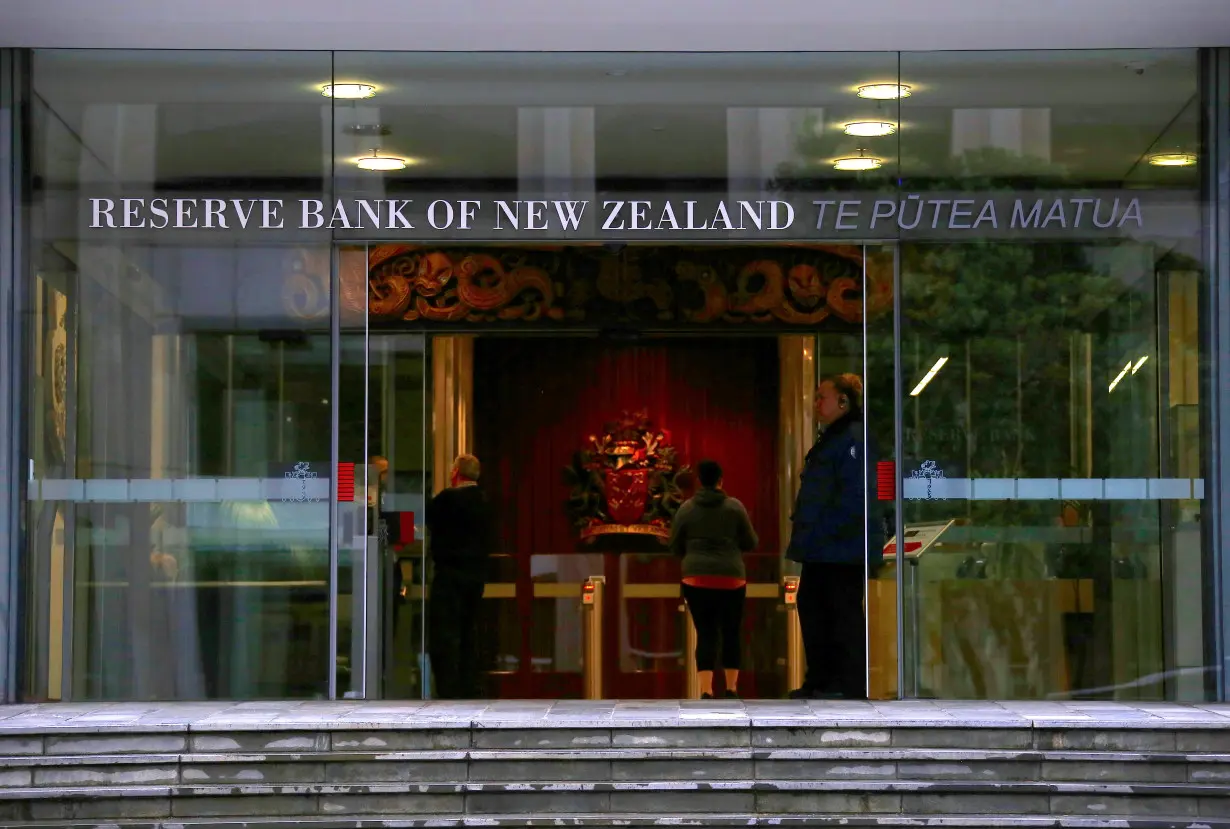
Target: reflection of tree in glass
x,y
1018,321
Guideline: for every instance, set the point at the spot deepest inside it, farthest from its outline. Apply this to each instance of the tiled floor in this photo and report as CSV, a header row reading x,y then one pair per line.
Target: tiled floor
x,y
311,715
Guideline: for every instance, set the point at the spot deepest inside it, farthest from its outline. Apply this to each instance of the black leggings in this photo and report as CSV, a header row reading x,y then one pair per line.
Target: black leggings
x,y
716,613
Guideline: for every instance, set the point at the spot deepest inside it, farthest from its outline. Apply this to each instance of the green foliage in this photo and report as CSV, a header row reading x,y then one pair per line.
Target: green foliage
x,y
1017,320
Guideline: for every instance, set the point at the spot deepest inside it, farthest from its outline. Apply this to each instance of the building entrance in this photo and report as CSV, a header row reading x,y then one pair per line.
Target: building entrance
x,y
204,411
589,433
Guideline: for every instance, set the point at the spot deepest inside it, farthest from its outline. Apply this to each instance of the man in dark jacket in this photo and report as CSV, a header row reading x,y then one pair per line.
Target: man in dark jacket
x,y
837,536
460,533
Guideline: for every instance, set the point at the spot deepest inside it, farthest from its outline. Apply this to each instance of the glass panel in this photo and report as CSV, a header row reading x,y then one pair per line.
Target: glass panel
x,y
847,602
398,409
879,409
556,632
573,126
357,519
384,412
1052,384
179,392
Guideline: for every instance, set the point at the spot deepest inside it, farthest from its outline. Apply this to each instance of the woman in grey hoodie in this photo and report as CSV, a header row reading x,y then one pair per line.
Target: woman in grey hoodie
x,y
711,532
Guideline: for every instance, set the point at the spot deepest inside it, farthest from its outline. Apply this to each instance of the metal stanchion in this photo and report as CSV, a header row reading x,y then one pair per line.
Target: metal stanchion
x,y
591,626
691,683
794,633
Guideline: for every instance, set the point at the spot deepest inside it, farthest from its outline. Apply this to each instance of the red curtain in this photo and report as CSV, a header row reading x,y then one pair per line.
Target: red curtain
x,y
536,403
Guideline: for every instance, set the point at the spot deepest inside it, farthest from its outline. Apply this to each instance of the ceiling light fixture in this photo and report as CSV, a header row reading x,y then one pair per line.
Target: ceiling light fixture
x,y
935,369
857,163
1172,159
348,91
380,163
884,91
1139,363
870,129
1120,376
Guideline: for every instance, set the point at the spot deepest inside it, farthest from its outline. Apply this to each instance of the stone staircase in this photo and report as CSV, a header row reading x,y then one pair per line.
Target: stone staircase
x,y
579,764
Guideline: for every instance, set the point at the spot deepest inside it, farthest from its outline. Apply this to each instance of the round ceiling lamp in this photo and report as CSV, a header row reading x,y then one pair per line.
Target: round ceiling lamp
x,y
857,163
348,91
884,91
378,163
870,129
1172,159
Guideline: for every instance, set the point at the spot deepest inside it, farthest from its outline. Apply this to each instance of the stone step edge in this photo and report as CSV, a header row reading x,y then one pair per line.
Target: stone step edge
x,y
919,755
612,820
879,786
827,723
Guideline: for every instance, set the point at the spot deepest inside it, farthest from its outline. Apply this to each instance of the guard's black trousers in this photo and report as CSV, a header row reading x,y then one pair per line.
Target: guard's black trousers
x,y
830,604
452,636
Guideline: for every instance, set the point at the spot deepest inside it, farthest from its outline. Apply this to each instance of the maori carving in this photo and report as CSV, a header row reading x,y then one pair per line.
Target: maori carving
x,y
305,288
445,286
804,285
769,290
623,282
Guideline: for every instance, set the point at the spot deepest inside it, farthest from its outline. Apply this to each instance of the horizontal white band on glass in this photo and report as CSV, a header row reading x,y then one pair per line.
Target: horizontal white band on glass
x,y
173,490
1053,489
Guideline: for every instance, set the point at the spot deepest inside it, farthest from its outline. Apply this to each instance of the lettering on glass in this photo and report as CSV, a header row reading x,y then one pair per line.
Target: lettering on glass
x,y
929,471
921,214
301,473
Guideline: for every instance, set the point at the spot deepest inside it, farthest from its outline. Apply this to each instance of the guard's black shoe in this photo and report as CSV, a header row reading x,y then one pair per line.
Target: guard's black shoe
x,y
827,695
808,692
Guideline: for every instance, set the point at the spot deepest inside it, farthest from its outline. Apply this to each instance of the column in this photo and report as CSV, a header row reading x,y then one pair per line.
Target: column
x,y
759,142
555,158
452,428
14,91
115,303
1022,132
354,130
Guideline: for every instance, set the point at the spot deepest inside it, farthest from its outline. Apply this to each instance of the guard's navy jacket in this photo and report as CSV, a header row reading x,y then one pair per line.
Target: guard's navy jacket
x,y
836,516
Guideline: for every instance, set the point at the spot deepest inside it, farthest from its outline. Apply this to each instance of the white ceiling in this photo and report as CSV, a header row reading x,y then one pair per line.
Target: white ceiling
x,y
627,25
248,115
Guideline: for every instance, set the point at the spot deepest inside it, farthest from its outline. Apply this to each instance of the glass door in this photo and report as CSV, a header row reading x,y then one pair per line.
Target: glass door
x,y
885,580
384,415
538,411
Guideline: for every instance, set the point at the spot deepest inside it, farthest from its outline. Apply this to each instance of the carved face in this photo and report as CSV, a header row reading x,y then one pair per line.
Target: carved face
x,y
433,273
805,285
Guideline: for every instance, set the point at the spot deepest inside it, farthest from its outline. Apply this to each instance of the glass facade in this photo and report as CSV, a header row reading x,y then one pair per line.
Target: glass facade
x,y
259,322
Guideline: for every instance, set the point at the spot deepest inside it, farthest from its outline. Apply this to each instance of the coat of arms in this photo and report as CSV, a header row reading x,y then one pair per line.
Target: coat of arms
x,y
625,481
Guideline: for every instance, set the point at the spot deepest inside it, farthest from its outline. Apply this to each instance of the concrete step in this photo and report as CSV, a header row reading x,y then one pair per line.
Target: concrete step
x,y
614,765
620,821
328,770
136,798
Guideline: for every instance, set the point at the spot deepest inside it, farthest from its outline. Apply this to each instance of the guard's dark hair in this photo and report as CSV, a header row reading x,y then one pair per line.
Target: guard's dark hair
x,y
851,385
709,473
